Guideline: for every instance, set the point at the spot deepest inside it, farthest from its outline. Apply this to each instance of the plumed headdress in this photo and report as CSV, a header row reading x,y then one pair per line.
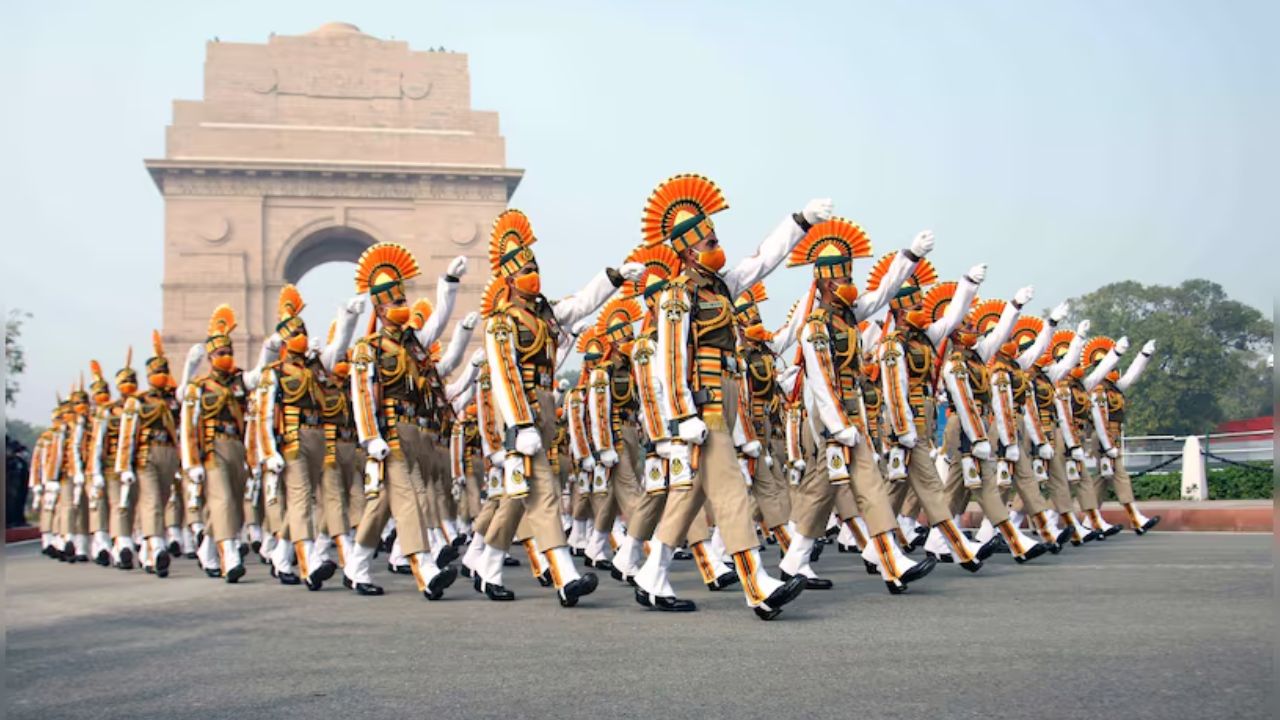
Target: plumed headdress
x,y
679,211
911,293
509,243
830,247
382,270
221,324
660,265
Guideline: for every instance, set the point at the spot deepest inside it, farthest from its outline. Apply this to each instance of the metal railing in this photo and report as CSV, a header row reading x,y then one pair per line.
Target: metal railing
x,y
1145,451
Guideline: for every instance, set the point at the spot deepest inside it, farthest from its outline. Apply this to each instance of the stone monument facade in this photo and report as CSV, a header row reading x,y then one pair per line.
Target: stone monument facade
x,y
308,149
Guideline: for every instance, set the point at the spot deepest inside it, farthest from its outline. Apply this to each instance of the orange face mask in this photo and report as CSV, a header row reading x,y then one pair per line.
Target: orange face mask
x,y
712,260
297,344
967,339
398,314
1077,372
102,398
530,284
1113,376
917,319
158,381
625,347
1010,349
82,408
341,369
225,363
847,293
127,388
756,332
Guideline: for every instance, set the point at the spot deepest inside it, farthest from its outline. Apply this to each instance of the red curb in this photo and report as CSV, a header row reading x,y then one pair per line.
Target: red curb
x,y
12,535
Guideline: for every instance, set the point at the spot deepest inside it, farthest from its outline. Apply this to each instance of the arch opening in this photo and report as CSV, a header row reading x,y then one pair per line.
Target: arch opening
x,y
333,244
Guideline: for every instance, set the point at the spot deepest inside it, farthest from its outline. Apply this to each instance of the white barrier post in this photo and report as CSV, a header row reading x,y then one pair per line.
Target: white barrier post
x,y
1195,482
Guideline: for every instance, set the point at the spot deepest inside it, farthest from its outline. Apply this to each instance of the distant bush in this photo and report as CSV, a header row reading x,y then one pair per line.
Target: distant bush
x,y
1225,483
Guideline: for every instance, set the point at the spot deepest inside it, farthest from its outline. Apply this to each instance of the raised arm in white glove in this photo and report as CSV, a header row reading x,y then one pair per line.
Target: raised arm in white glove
x,y
817,210
922,244
1058,313
977,273
630,271
1024,296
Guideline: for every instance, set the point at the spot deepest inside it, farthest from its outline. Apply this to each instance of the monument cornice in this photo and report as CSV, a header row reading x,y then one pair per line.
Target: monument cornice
x,y
415,181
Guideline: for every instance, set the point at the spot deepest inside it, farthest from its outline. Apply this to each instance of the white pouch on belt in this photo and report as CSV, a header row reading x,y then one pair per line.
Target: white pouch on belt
x,y
655,475
969,472
896,464
837,464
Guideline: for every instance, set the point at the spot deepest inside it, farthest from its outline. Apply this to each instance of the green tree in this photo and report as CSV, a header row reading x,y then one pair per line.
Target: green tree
x,y
16,362
1210,360
22,431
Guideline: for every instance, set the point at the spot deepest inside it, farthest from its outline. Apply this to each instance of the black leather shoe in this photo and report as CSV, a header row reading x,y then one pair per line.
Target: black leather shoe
x,y
943,558
368,589
288,579
921,534
989,547
388,542
103,558
317,577
682,554
918,571
256,546
578,552
1112,530
1033,552
346,582
972,566
464,571
831,531
616,574
841,547
1053,547
443,579
664,603
810,583
126,559
213,573
458,541
235,573
162,564
728,579
497,593
399,569
1065,537
447,555
190,556
1094,535
870,567
575,589
1146,526
772,606
243,550
544,579
80,558
508,561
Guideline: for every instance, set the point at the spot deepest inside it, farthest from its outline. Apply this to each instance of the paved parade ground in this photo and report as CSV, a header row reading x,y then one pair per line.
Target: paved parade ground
x,y
1173,625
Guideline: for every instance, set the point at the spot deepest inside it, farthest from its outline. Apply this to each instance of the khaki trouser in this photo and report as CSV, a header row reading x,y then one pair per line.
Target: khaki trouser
x,y
120,520
426,465
224,488
469,510
1058,488
74,519
97,518
579,503
302,476
1030,501
275,512
719,483
483,518
336,482
176,506
988,494
351,461
813,499
642,511
771,487
398,498
925,486
542,505
155,482
604,509
1119,482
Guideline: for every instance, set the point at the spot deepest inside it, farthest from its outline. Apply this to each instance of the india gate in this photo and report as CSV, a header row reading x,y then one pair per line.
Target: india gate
x,y
307,150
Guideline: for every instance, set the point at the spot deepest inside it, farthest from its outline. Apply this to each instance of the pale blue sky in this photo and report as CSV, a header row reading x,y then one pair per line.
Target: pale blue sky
x,y
1068,144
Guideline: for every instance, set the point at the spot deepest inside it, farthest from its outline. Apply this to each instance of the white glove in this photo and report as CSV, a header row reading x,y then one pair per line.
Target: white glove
x,y
127,477
195,475
631,271
528,441
563,385
469,322
1113,453
1122,345
663,449
1077,454
1083,328
1058,313
847,437
273,343
1149,347
982,450
355,306
99,481
1012,453
609,458
78,479
977,273
314,346
458,267
377,449
275,463
693,430
498,457
581,326
751,449
195,354
909,440
1045,452
817,210
768,460
922,244
372,477
799,465
477,358
1024,295
588,464
788,378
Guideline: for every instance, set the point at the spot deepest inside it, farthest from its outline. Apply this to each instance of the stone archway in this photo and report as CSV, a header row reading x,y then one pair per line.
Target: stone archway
x,y
307,149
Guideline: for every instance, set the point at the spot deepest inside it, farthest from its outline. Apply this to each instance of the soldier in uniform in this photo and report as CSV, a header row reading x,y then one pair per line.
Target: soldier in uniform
x,y
1074,405
147,451
74,501
522,336
1043,376
840,447
1107,412
696,359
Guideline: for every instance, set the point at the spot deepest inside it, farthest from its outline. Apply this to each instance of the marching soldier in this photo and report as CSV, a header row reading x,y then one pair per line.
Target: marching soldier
x,y
1074,409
